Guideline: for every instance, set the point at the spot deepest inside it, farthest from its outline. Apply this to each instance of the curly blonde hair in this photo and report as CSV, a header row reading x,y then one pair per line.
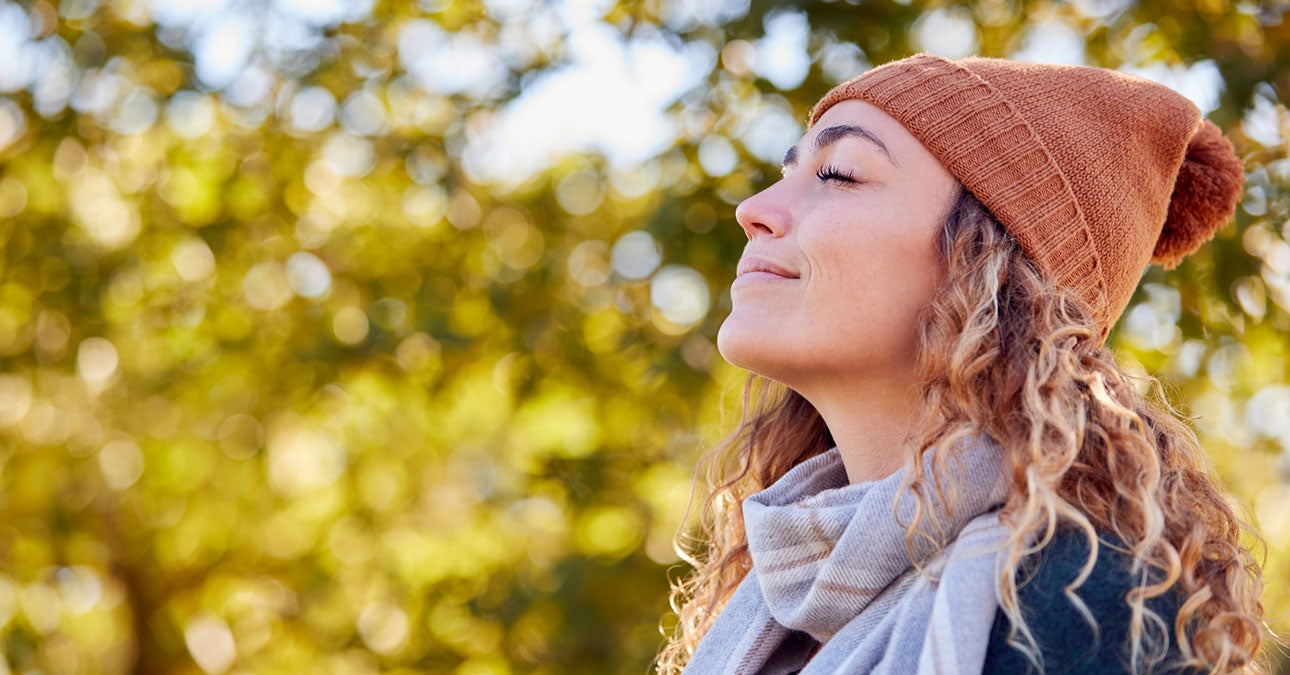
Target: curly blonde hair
x,y
1004,352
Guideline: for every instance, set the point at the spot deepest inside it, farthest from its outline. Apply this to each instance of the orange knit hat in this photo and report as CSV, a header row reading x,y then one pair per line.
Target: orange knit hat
x,y
1095,173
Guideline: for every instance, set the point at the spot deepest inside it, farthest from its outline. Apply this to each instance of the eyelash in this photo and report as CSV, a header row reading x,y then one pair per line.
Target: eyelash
x,y
833,172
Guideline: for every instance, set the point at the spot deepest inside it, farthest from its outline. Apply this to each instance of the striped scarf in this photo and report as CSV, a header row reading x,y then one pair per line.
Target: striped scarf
x,y
832,587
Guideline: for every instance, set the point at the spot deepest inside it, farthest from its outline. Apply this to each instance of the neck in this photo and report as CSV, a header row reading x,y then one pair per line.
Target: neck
x,y
870,419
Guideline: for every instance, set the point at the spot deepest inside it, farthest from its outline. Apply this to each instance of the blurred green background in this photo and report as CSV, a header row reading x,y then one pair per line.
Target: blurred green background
x,y
356,336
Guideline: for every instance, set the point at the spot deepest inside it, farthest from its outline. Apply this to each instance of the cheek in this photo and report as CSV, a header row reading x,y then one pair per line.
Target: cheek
x,y
878,277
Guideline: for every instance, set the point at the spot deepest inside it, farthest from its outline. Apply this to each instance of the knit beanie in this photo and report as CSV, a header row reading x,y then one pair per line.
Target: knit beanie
x,y
1095,173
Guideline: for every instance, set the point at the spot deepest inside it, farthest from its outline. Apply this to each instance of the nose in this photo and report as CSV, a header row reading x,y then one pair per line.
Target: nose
x,y
763,214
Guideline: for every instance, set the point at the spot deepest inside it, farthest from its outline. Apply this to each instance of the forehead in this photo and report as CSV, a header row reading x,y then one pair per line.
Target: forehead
x,y
867,115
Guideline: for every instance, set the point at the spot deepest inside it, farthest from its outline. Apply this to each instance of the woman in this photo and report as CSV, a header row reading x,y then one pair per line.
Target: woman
x,y
940,468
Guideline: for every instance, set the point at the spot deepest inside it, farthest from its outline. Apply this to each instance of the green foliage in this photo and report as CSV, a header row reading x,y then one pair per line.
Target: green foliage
x,y
287,386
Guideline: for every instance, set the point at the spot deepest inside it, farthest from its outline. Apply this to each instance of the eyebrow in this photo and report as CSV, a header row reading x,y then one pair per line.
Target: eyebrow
x,y
831,135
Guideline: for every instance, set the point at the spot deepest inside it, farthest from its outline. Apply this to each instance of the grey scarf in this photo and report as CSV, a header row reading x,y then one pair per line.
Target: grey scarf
x,y
830,567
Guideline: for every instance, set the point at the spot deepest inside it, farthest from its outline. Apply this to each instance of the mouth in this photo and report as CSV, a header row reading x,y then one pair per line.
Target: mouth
x,y
749,266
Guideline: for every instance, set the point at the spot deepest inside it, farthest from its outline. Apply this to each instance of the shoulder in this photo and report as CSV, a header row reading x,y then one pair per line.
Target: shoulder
x,y
1066,641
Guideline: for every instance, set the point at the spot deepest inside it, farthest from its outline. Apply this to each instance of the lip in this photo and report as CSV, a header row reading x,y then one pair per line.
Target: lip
x,y
752,265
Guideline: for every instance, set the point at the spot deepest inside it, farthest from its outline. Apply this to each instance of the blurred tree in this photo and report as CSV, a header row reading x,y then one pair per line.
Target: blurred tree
x,y
306,365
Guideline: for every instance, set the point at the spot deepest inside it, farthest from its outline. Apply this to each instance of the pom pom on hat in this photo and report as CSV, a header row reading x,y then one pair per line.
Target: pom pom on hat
x,y
1204,197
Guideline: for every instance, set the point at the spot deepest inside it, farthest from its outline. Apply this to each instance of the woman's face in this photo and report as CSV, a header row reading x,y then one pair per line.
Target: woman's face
x,y
841,254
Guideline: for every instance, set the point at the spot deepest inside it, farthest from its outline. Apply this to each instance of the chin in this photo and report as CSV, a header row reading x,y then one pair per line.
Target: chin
x,y
801,359
752,348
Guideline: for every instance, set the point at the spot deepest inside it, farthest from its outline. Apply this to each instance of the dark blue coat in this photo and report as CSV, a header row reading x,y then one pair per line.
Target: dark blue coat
x,y
1065,638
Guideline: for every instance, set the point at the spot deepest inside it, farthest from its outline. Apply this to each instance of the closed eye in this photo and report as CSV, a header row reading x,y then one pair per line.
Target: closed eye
x,y
835,173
